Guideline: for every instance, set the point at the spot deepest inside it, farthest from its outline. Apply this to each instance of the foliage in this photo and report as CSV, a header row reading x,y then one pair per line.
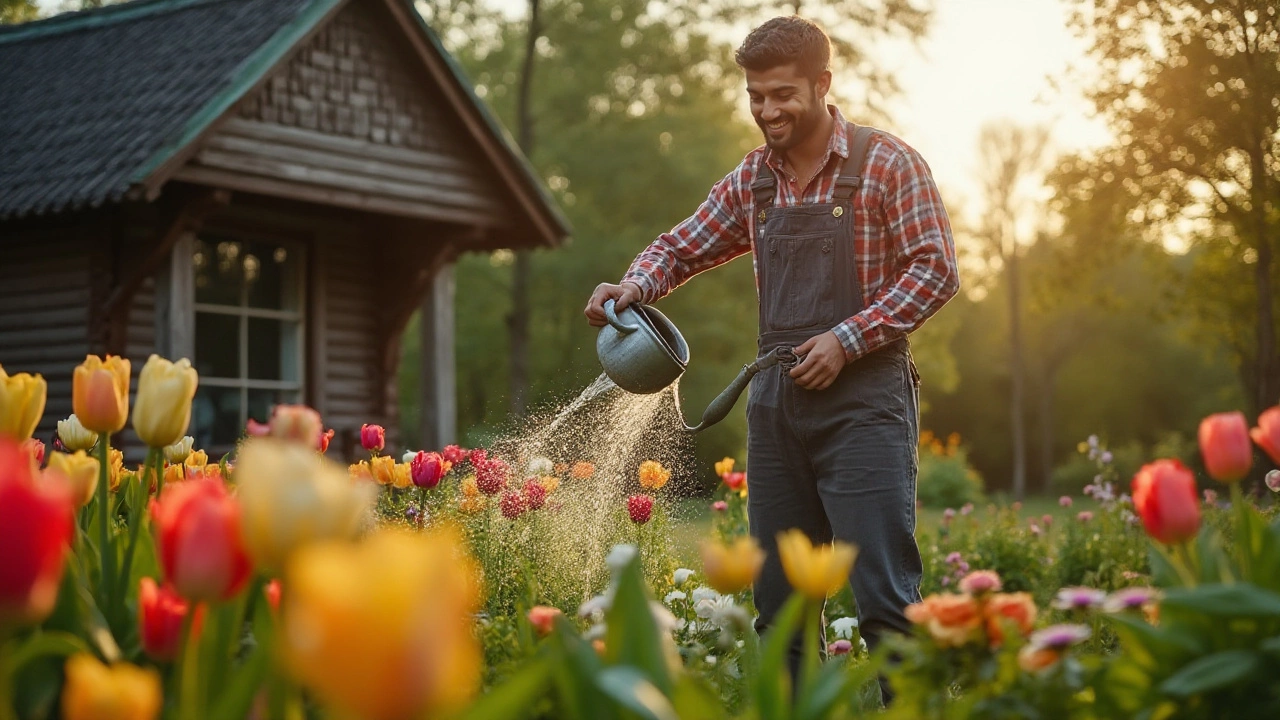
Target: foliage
x,y
16,11
945,478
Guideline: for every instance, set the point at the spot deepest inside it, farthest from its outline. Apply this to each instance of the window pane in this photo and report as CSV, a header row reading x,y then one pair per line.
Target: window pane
x,y
271,272
215,416
273,349
218,345
261,402
219,270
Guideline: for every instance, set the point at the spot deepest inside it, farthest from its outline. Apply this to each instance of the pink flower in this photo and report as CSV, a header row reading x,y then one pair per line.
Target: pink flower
x,y
1273,480
1035,529
948,515
543,619
1065,501
426,469
1079,598
1046,520
966,509
455,454
719,506
640,508
954,557
1084,516
535,493
840,647
373,437
512,504
1267,434
980,581
1210,497
491,474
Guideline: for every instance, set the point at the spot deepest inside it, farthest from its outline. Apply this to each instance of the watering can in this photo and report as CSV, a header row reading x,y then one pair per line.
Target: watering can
x,y
643,352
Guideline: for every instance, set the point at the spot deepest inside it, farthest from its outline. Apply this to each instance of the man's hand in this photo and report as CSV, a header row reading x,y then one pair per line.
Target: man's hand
x,y
823,361
624,294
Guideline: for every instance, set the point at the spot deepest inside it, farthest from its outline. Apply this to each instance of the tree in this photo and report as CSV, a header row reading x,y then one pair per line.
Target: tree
x,y
1011,156
1191,89
522,271
16,11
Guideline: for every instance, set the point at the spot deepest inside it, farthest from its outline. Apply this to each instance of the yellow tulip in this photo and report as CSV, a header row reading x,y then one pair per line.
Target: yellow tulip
x,y
115,469
22,399
725,466
100,393
383,468
291,496
815,572
81,472
94,691
732,568
652,475
162,410
382,629
75,436
401,475
180,450
197,458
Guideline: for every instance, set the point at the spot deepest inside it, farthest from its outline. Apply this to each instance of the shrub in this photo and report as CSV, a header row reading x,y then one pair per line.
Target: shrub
x,y
946,478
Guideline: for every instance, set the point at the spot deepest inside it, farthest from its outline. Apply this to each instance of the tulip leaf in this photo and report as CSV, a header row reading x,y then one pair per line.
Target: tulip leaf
x,y
632,636
631,689
45,644
693,699
1271,645
833,684
515,696
237,695
773,689
1211,672
1235,600
575,678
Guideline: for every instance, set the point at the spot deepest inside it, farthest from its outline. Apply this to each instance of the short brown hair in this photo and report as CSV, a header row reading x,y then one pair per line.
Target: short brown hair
x,y
786,40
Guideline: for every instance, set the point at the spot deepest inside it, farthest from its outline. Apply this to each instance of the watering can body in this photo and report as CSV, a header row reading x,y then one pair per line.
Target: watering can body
x,y
643,352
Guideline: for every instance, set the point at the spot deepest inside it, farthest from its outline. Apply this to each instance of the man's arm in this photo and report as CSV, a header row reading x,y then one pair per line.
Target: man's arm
x,y
715,234
920,234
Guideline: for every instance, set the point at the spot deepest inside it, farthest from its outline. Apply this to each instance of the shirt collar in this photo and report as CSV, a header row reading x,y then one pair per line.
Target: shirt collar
x,y
837,145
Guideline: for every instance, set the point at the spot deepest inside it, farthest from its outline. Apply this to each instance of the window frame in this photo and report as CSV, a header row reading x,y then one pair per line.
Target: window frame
x,y
243,312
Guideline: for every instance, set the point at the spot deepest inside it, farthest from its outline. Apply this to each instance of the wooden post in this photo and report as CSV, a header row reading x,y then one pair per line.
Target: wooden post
x,y
175,301
437,384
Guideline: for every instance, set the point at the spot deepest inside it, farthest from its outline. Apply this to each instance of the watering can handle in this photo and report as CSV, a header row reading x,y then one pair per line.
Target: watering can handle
x,y
612,317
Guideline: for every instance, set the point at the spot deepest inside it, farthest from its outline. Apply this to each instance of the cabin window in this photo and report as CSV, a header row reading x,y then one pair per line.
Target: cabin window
x,y
248,334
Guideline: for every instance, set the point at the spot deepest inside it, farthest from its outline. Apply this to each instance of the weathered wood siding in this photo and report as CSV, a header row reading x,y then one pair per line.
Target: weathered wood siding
x,y
45,294
353,121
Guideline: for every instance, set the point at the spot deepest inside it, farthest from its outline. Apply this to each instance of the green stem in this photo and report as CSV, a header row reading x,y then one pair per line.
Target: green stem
x,y
810,661
1181,561
1244,539
189,706
7,711
105,549
154,458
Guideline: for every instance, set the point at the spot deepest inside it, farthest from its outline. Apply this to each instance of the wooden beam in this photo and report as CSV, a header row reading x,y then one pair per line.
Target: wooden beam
x,y
187,217
437,373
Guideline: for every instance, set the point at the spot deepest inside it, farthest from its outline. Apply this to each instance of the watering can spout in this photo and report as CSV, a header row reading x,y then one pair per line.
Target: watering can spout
x,y
719,408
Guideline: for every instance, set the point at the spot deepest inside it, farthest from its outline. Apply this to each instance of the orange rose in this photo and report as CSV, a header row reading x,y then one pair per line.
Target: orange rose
x,y
1017,609
1033,659
954,619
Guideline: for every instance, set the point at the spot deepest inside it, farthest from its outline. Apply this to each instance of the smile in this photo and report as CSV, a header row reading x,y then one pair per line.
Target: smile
x,y
777,125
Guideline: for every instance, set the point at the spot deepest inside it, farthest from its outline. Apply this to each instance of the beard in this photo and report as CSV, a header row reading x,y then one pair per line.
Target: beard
x,y
799,129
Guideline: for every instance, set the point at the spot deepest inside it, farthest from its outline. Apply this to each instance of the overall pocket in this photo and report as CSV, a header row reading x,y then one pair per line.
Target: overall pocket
x,y
800,270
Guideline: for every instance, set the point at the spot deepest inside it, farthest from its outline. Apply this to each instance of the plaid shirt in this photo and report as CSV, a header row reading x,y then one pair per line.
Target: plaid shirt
x,y
905,255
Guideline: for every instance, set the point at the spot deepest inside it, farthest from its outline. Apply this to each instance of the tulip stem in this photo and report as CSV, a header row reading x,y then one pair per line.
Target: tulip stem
x,y
188,704
105,550
6,681
1243,532
135,524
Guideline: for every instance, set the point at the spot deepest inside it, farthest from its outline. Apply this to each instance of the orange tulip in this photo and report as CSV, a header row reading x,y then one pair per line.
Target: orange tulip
x,y
1164,496
1016,609
652,475
1224,444
100,393
36,524
1267,434
94,691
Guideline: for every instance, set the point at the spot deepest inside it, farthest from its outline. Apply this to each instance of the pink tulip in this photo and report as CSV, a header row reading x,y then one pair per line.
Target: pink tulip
x,y
427,468
1267,434
373,437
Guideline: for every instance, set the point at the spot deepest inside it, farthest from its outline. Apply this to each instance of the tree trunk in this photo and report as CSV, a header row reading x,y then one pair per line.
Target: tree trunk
x,y
1046,429
1017,424
518,320
1268,364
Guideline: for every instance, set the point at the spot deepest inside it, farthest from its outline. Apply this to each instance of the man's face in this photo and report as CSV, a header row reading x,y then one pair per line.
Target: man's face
x,y
787,106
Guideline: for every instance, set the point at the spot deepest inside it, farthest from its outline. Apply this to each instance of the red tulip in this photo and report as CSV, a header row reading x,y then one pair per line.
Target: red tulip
x,y
161,611
640,508
1267,434
373,437
272,592
1224,444
735,480
1164,496
198,540
36,523
325,438
427,468
543,619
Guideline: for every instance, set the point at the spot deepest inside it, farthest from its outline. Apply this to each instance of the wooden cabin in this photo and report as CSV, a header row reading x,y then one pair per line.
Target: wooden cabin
x,y
268,187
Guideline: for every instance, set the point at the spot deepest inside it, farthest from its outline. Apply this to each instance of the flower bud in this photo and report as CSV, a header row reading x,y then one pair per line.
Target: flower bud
x,y
162,410
100,393
373,437
22,398
179,451
75,436
80,471
1225,447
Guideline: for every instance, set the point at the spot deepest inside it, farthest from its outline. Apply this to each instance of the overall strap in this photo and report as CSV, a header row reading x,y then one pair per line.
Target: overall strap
x,y
851,172
764,187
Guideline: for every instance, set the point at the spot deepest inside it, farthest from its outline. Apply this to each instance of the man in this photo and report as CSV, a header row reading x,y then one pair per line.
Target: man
x,y
852,251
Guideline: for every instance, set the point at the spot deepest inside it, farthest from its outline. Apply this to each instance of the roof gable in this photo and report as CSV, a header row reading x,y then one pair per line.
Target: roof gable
x,y
105,103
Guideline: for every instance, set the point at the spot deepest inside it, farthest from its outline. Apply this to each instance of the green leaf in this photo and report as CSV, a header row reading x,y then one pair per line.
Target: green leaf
x,y
46,644
632,636
1148,646
1211,672
514,698
1236,600
575,677
693,699
773,687
820,695
631,689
